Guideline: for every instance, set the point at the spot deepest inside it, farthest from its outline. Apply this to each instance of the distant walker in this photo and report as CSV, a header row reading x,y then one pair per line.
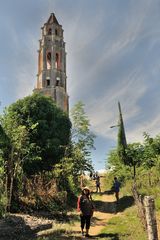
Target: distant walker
x,y
116,186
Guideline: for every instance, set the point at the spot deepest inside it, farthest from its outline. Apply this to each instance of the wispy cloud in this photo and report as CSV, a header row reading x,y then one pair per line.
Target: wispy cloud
x,y
103,112
117,72
117,43
150,126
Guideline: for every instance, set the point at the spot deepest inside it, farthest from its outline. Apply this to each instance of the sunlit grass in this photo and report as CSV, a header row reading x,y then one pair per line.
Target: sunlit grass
x,y
127,226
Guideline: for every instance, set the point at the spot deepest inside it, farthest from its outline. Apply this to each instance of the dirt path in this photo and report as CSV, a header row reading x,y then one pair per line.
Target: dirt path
x,y
105,210
103,214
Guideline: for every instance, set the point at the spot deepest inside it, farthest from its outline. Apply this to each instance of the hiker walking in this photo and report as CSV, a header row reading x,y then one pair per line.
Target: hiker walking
x,y
116,186
85,206
98,184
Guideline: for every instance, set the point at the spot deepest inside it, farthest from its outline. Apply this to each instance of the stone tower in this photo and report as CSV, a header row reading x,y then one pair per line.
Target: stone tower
x,y
51,77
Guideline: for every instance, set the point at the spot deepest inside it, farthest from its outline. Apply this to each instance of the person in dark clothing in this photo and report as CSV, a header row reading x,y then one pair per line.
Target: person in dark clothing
x,y
116,186
98,184
86,207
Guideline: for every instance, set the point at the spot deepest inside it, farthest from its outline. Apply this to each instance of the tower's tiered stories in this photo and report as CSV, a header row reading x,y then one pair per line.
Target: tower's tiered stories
x,y
51,77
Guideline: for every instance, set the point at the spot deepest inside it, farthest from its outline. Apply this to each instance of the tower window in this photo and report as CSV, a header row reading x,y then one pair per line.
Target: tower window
x,y
50,31
57,61
48,82
49,60
57,81
56,32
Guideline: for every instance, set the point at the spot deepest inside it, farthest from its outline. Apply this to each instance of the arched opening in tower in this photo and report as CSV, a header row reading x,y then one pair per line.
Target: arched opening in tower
x,y
48,82
56,32
57,62
49,31
57,81
49,60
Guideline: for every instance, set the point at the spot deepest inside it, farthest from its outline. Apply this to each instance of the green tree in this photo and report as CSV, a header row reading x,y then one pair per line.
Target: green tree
x,y
151,154
45,127
149,151
135,156
32,133
82,139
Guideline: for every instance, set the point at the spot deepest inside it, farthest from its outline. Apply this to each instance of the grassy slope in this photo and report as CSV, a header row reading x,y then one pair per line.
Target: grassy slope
x,y
125,226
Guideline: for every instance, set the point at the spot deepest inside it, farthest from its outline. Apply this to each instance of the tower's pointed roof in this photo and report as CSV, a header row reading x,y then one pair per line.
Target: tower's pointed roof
x,y
52,19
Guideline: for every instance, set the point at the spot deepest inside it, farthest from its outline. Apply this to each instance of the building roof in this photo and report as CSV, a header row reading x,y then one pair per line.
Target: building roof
x,y
52,19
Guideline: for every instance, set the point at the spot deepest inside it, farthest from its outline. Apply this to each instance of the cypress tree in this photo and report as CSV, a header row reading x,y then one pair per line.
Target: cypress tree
x,y
122,142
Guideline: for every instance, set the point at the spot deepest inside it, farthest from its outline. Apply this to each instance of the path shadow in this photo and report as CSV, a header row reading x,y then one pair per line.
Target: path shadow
x,y
63,234
107,192
110,236
104,236
113,207
58,217
64,238
105,207
124,202
14,228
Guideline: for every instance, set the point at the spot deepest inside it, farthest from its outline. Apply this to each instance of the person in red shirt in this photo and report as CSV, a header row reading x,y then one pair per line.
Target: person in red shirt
x,y
86,208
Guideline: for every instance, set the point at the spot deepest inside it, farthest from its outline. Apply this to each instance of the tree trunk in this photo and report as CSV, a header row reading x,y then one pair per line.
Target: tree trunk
x,y
134,173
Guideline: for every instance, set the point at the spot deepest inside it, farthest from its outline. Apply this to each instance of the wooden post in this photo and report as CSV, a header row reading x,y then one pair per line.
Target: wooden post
x,y
150,218
139,202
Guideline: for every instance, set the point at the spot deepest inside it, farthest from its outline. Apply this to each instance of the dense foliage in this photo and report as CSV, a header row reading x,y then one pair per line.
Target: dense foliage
x,y
33,136
142,165
38,130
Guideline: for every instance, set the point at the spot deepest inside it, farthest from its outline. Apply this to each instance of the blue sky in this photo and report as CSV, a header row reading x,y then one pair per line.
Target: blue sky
x,y
113,54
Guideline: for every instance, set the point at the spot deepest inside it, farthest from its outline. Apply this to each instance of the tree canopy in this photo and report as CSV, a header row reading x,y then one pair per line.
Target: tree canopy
x,y
38,130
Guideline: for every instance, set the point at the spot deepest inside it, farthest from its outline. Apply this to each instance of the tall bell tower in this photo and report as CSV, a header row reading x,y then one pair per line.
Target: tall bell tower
x,y
51,77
